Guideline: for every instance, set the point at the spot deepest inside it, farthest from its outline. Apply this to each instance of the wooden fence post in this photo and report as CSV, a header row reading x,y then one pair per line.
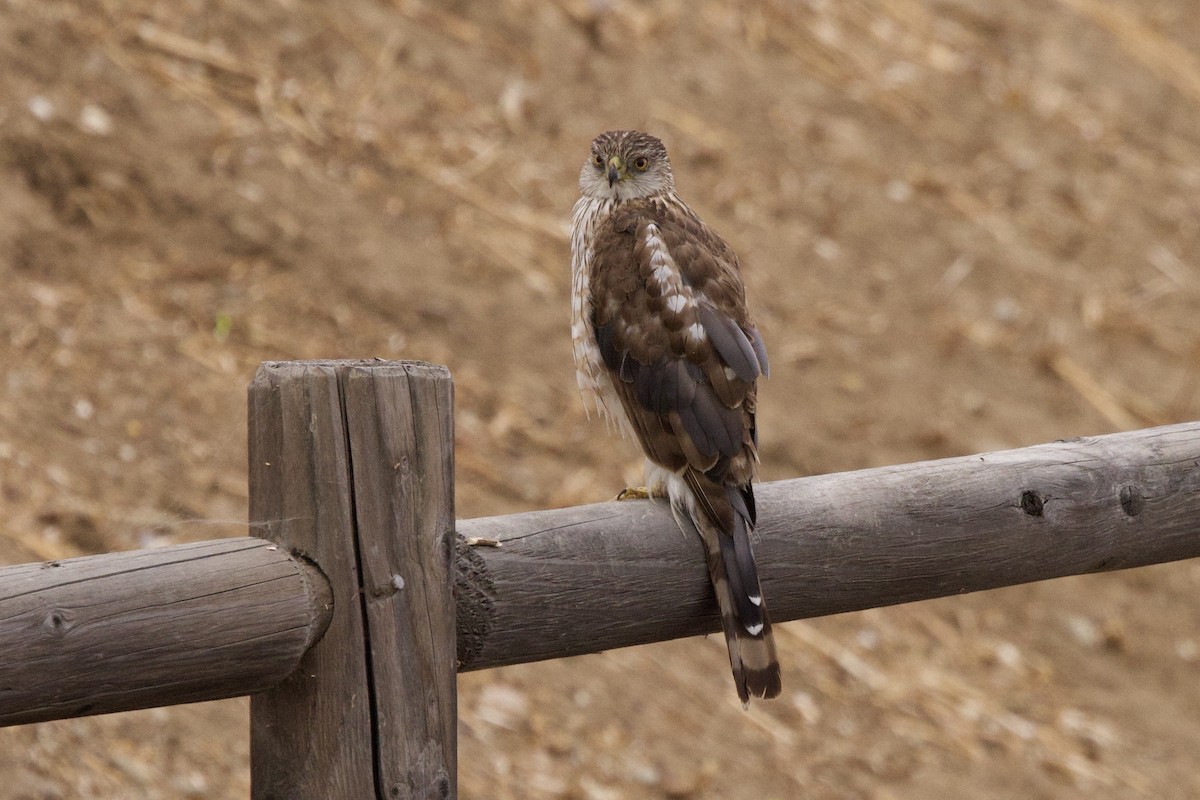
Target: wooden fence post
x,y
351,466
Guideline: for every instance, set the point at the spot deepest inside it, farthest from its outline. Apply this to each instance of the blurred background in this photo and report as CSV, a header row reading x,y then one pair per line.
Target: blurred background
x,y
965,226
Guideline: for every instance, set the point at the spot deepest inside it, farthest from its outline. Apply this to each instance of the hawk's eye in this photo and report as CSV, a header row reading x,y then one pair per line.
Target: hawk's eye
x,y
640,163
598,159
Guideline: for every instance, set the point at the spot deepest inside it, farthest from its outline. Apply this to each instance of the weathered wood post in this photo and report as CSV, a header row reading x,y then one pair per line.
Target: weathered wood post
x,y
351,466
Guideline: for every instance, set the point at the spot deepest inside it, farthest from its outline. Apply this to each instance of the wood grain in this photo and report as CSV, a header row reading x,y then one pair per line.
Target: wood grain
x,y
310,736
351,465
589,578
147,628
400,422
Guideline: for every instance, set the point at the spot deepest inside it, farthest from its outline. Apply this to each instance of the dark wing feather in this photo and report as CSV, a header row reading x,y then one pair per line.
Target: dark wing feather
x,y
760,350
731,342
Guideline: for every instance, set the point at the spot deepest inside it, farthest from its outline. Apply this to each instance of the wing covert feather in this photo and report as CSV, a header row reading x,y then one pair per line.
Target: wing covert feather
x,y
669,317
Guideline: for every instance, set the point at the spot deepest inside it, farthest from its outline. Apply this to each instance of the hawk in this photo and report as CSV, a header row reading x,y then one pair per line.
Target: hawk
x,y
665,347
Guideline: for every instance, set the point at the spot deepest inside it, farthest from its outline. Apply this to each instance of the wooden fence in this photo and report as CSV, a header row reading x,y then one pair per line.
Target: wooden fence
x,y
349,612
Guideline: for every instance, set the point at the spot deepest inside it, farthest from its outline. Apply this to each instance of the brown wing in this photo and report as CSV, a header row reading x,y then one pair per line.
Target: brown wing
x,y
670,318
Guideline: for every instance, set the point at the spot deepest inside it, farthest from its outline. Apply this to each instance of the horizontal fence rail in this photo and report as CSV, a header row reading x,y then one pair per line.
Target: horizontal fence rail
x,y
589,578
158,627
229,617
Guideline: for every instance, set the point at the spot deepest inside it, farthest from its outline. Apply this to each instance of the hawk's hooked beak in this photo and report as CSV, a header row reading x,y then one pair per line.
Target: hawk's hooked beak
x,y
615,168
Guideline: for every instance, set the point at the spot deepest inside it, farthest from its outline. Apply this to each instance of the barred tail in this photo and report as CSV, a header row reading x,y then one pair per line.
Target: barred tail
x,y
734,576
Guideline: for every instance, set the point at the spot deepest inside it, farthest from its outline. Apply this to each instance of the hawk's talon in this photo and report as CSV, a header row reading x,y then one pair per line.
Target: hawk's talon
x,y
637,493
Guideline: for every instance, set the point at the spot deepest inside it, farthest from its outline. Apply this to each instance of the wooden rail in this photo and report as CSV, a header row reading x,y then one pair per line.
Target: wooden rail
x,y
590,578
351,470
179,624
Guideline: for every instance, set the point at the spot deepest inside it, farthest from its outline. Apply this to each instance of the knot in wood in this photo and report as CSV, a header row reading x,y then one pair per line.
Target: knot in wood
x,y
58,622
1132,499
1032,503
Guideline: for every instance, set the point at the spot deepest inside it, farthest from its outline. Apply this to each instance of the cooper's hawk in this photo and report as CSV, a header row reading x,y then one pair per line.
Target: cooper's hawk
x,y
665,347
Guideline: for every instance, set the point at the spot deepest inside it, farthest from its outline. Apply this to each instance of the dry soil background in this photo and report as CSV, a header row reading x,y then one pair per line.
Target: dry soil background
x,y
966,226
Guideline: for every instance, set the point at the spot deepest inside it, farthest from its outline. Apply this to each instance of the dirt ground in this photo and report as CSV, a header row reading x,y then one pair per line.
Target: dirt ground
x,y
965,226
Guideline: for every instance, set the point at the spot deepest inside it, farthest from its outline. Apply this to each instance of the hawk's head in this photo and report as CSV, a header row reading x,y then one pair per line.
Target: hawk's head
x,y
626,165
